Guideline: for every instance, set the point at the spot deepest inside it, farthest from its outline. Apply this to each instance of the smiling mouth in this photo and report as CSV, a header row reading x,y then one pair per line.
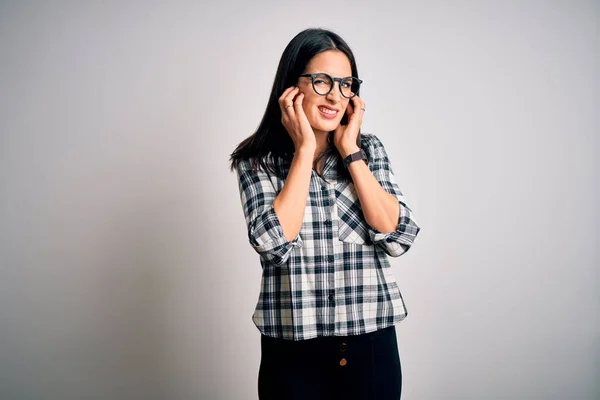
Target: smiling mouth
x,y
328,111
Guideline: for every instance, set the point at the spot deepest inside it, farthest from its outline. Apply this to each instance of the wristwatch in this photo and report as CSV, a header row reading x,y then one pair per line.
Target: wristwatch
x,y
359,155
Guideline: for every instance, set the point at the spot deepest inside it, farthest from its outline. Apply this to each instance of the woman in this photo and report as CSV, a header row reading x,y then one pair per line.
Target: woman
x,y
323,211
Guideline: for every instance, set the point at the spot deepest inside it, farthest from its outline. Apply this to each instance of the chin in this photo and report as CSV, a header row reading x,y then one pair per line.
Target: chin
x,y
326,126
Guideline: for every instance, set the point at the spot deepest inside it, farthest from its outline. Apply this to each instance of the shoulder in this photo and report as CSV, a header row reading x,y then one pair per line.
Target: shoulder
x,y
372,144
257,171
243,164
253,164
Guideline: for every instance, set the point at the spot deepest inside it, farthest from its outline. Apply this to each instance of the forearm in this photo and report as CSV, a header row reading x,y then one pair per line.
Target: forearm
x,y
290,203
380,208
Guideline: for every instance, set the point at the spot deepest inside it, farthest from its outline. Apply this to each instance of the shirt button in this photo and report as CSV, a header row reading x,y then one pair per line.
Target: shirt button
x,y
330,297
343,362
330,258
343,347
327,222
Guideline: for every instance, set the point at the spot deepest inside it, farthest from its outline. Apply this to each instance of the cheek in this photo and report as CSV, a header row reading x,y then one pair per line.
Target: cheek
x,y
308,104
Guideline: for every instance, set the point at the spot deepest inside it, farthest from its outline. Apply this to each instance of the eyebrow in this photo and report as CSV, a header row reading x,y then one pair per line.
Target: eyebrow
x,y
327,73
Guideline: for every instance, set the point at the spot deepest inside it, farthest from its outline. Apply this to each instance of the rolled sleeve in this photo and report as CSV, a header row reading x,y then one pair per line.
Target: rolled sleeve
x,y
265,232
398,242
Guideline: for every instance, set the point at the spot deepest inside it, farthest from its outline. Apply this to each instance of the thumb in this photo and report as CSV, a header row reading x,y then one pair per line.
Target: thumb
x,y
298,105
337,132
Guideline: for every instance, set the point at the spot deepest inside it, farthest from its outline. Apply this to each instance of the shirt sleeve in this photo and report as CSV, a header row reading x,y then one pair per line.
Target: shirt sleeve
x,y
398,242
265,233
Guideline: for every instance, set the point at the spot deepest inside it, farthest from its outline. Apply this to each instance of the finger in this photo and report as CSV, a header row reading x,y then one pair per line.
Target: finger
x,y
289,103
285,93
286,103
284,99
357,111
357,103
350,111
362,104
359,106
338,130
298,107
350,107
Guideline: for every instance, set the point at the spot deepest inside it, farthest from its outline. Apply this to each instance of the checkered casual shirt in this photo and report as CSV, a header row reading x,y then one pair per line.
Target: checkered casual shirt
x,y
334,277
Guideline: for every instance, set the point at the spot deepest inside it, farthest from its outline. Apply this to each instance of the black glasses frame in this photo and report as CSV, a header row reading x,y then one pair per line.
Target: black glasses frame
x,y
333,80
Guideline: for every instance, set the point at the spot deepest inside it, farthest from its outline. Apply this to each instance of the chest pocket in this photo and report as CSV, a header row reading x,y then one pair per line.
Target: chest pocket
x,y
352,227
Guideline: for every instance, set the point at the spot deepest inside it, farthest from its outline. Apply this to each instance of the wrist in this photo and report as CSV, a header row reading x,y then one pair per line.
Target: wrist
x,y
306,151
345,151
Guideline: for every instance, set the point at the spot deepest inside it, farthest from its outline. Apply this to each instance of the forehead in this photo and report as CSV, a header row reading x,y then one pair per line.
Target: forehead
x,y
332,62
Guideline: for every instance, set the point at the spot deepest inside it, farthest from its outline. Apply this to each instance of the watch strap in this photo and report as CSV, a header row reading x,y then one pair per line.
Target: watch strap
x,y
359,155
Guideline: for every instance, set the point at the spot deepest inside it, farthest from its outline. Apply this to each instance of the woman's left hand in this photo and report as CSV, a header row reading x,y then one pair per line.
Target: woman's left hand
x,y
345,136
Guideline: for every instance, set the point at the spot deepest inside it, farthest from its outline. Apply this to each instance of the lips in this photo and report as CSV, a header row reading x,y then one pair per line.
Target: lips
x,y
327,112
329,108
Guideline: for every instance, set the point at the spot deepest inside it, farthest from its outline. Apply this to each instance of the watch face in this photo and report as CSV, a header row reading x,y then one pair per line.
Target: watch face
x,y
359,155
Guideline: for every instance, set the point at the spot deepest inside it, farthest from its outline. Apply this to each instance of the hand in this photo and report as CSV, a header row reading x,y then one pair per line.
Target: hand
x,y
294,119
345,136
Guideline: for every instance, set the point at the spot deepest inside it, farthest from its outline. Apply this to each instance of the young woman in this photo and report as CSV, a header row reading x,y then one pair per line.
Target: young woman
x,y
324,212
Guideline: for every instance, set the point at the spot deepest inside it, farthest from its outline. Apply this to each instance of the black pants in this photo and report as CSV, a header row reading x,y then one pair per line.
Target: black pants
x,y
362,367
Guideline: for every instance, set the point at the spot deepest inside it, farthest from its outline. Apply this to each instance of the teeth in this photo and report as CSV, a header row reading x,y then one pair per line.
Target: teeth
x,y
327,110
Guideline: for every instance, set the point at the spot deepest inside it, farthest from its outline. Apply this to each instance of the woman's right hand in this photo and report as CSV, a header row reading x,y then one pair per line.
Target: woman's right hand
x,y
294,119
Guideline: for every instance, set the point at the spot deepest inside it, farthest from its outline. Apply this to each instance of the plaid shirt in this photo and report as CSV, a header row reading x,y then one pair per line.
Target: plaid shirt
x,y
333,278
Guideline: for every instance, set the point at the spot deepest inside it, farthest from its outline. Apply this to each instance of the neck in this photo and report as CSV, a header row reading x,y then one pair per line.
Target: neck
x,y
322,142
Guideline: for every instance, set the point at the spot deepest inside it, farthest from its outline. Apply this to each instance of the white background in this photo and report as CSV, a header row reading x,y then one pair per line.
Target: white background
x,y
125,267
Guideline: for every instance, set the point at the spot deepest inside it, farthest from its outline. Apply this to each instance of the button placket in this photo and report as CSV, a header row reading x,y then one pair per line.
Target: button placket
x,y
330,259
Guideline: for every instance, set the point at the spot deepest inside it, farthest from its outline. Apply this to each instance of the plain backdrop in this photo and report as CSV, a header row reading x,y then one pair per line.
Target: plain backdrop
x,y
125,267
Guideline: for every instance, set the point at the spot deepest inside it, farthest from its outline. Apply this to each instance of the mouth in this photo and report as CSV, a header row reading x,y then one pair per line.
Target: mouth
x,y
328,112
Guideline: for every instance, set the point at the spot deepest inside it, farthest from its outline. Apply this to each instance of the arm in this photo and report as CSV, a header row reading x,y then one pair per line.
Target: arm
x,y
291,201
274,220
390,220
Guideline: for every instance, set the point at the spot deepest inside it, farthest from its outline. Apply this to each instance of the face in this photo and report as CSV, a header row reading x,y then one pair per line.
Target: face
x,y
324,113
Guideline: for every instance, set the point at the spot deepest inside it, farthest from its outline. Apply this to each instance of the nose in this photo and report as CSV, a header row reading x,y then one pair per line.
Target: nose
x,y
336,92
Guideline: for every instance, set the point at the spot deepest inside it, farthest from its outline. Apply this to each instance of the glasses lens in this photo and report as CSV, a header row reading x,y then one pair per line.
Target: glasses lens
x,y
322,84
350,87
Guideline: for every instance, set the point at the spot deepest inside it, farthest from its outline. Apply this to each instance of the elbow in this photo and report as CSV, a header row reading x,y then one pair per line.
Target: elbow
x,y
277,261
274,250
397,249
382,224
276,256
398,244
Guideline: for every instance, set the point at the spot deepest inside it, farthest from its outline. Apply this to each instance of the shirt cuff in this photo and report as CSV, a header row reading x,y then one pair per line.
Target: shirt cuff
x,y
399,241
268,239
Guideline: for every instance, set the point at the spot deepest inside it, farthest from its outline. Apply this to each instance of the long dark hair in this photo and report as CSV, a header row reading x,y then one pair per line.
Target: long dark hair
x,y
271,146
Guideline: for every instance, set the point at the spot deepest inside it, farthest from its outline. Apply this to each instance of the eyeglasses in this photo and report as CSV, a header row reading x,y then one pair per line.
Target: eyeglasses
x,y
323,84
